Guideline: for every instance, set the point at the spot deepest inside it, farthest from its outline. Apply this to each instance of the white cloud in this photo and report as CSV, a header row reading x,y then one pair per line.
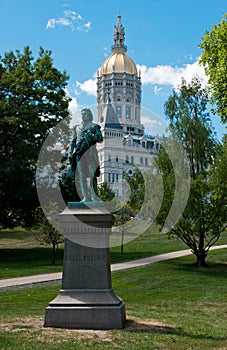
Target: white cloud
x,y
157,89
74,106
87,26
151,122
158,76
74,109
154,124
168,75
70,19
88,86
84,27
51,23
71,14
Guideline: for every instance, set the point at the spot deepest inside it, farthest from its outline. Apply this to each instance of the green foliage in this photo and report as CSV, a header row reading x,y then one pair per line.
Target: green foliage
x,y
166,167
137,190
185,110
32,101
124,214
214,61
105,193
49,228
204,217
122,211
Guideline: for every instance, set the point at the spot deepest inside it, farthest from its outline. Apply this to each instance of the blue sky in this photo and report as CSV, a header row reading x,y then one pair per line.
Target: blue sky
x,y
162,37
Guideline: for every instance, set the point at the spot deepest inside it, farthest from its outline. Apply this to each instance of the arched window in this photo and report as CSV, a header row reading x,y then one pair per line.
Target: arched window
x,y
127,159
132,160
141,160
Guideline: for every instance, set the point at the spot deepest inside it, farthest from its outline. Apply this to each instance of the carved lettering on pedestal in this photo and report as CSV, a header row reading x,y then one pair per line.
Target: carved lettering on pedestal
x,y
81,257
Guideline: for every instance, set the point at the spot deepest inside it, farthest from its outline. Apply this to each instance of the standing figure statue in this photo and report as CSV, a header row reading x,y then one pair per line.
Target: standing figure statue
x,y
84,155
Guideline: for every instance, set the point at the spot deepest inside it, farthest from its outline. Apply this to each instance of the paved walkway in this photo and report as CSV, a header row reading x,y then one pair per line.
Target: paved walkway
x,y
28,280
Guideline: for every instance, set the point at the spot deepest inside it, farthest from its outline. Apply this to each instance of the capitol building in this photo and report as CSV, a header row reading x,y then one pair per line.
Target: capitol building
x,y
125,145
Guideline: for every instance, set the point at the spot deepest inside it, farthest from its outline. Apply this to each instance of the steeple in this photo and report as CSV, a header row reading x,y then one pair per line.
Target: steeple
x,y
119,89
110,119
119,37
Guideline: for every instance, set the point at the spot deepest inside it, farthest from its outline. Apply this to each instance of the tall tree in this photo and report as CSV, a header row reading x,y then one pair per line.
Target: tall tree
x,y
186,111
32,101
213,58
203,219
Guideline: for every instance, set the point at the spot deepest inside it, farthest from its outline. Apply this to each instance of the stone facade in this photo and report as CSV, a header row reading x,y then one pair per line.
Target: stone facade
x,y
125,144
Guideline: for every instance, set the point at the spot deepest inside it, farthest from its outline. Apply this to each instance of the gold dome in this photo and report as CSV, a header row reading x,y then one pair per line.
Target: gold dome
x,y
118,62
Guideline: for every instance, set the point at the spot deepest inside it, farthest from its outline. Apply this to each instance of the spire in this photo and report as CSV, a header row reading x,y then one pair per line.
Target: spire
x,y
109,116
119,37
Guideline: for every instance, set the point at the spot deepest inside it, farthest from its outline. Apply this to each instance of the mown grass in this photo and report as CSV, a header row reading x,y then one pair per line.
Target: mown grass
x,y
22,255
169,305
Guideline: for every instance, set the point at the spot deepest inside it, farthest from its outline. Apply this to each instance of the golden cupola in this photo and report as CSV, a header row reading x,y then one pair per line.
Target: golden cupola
x,y
118,62
119,89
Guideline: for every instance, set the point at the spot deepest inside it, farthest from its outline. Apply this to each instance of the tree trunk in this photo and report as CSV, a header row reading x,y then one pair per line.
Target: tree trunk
x,y
201,253
54,253
200,259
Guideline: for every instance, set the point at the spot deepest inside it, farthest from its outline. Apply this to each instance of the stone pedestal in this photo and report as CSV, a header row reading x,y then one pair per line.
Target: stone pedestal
x,y
86,300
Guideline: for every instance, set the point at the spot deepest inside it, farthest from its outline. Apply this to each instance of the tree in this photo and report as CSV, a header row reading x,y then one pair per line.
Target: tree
x,y
214,61
146,193
105,193
203,218
186,111
137,190
165,164
32,101
48,233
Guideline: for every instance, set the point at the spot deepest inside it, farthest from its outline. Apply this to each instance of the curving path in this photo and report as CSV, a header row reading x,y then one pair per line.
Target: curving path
x,y
29,280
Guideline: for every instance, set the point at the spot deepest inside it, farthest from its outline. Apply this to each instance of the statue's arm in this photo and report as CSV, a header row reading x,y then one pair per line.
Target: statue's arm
x,y
95,134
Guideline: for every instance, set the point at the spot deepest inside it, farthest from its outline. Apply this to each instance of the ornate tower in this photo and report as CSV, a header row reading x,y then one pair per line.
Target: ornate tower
x,y
119,114
119,84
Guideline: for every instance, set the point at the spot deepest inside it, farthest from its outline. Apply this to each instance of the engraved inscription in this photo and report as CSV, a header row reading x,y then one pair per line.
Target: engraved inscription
x,y
81,257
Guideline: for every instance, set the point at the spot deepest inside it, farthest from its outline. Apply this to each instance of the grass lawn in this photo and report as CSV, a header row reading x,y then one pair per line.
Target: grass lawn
x,y
170,305
22,255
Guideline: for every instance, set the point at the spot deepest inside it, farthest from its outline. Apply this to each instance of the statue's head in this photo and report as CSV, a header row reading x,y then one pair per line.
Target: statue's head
x,y
86,115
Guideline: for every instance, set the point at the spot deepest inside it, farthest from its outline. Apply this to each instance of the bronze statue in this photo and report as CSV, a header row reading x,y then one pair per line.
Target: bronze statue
x,y
84,155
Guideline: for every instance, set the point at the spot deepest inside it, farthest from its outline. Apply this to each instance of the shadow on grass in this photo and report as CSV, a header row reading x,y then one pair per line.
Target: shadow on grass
x,y
187,265
21,262
156,328
151,326
38,255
